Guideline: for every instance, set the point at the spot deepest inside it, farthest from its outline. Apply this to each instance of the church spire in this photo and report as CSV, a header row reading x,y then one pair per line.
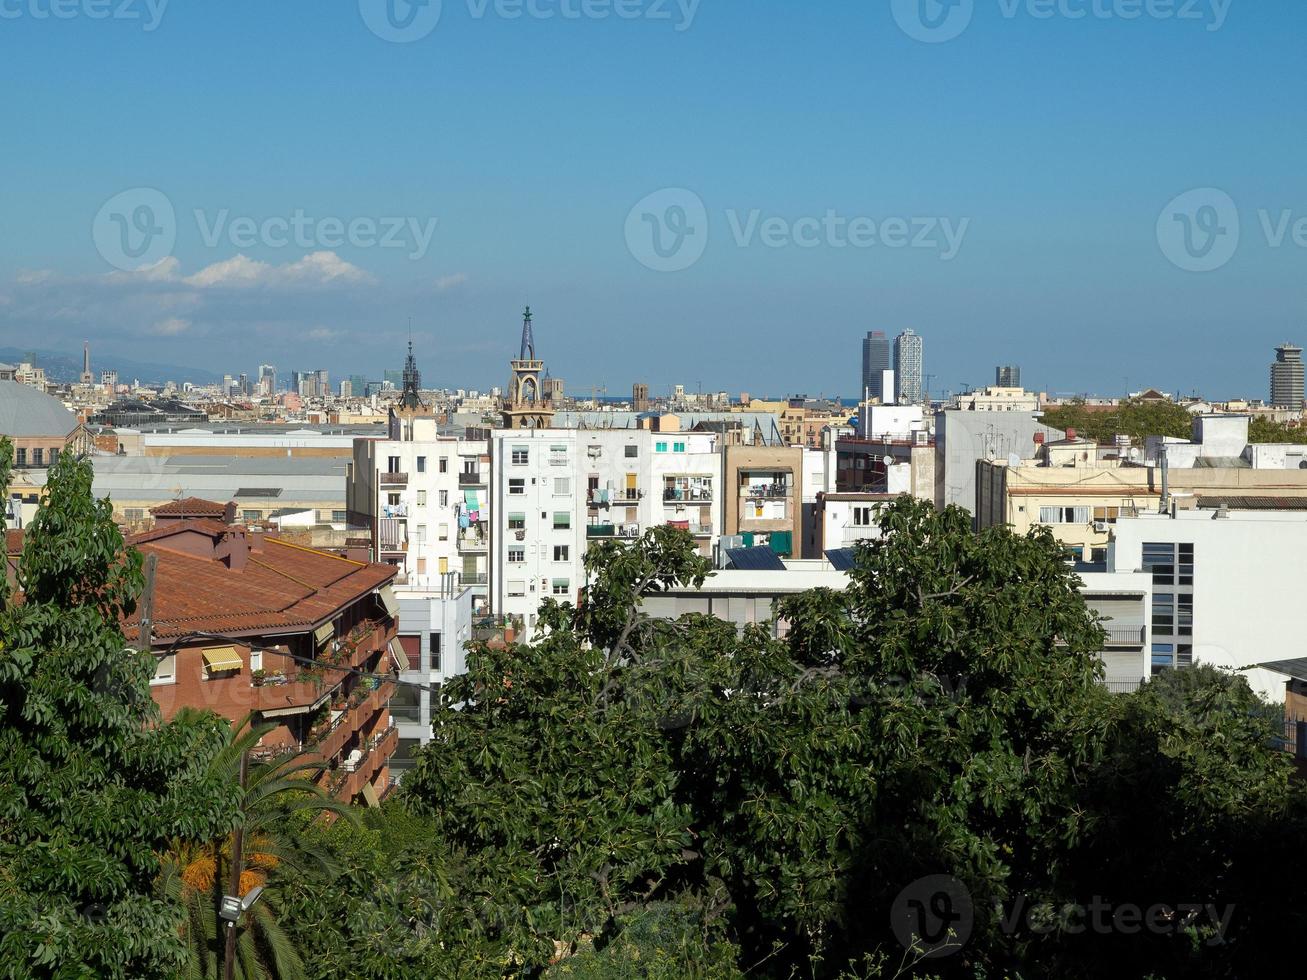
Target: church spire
x,y
412,380
528,339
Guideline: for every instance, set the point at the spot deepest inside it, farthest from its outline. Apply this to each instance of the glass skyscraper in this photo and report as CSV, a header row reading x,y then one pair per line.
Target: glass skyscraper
x,y
908,360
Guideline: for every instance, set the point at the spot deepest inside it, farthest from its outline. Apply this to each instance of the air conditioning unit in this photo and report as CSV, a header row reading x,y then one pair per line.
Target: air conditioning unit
x,y
1100,527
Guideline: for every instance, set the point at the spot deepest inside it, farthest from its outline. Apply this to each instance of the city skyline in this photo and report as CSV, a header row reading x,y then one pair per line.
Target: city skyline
x,y
1054,244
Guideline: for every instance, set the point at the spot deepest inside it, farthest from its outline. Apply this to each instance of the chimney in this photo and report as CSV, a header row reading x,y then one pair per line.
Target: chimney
x,y
229,514
233,549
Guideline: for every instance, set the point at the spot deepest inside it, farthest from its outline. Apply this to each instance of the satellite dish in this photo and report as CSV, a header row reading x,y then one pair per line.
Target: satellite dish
x,y
1014,459
887,460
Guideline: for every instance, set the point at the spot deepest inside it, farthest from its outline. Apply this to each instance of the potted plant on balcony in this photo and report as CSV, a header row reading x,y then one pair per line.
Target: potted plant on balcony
x,y
257,677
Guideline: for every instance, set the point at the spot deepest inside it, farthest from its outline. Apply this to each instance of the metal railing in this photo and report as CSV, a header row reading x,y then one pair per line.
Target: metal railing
x,y
471,480
394,479
1124,636
769,491
681,495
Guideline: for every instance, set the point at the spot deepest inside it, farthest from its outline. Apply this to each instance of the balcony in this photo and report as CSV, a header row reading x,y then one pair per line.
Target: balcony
x,y
621,531
1124,636
767,491
606,498
470,543
348,783
475,578
394,479
696,530
471,480
326,742
687,495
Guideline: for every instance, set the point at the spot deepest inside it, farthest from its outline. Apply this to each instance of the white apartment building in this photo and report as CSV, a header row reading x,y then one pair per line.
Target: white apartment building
x,y
434,629
1226,581
423,498
556,490
996,399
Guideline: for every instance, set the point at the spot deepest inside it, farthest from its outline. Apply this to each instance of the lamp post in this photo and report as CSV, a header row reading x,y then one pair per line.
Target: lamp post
x,y
242,904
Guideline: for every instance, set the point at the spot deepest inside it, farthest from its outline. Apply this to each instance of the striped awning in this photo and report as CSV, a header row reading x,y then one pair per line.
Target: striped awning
x,y
222,658
324,634
387,596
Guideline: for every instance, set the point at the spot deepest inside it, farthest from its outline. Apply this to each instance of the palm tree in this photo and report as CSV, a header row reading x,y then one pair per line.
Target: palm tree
x,y
196,873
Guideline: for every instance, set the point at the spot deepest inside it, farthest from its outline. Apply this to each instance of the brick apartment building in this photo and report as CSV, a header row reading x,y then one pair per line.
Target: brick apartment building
x,y
245,589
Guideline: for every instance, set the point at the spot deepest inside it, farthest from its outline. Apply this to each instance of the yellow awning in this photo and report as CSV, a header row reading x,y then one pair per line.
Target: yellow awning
x,y
387,597
222,658
370,795
398,655
324,633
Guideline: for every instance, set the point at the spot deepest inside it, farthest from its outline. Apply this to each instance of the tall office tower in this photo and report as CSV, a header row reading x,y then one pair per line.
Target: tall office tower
x,y
245,384
1287,378
228,385
875,362
908,358
346,388
322,383
267,380
1007,376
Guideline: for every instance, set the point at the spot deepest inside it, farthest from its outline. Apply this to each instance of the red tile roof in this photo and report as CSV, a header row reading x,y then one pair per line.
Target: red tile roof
x,y
13,541
190,507
284,588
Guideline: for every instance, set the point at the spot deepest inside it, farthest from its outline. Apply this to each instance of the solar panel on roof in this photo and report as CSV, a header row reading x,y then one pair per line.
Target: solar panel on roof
x,y
842,559
754,559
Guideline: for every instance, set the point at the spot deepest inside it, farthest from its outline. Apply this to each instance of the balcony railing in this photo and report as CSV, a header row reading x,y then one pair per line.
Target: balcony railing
x,y
627,531
684,495
394,479
606,498
475,578
471,480
698,530
1124,636
767,491
472,544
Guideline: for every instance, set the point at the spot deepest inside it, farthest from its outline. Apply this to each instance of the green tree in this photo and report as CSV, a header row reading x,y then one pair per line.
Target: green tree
x,y
92,785
277,795
1133,417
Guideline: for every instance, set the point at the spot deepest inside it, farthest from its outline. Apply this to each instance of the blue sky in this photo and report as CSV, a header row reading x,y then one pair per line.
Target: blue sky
x,y
1049,144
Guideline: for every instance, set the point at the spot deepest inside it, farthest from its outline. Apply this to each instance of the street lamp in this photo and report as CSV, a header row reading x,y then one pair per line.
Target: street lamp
x,y
233,906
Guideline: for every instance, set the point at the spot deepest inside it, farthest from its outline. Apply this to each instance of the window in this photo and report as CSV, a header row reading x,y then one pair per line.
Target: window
x,y
678,447
392,499
444,532
444,498
862,517
38,457
561,586
517,522
256,660
561,552
422,535
406,702
444,464
251,515
1108,515
562,486
433,648
562,520
134,513
1064,515
339,517
660,447
632,452
422,498
422,464
54,456
516,488
516,556
20,457
166,671
592,484
557,455
392,464
517,588
521,455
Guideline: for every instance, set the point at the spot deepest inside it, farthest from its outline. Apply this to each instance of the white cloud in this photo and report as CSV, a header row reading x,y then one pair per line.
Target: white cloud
x,y
322,333
316,268
170,327
451,281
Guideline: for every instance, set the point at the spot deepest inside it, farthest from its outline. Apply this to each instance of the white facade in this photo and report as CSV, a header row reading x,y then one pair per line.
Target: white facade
x,y
997,399
416,498
556,490
1234,597
434,629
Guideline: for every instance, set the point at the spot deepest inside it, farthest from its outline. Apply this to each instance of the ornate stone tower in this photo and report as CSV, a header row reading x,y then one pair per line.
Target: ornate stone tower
x,y
527,406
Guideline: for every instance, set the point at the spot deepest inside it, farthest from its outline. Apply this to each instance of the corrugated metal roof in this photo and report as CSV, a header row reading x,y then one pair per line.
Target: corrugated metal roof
x,y
1296,669
756,559
1248,502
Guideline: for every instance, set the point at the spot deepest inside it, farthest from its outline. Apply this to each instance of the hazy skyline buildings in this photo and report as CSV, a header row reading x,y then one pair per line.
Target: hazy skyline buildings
x,y
875,362
1287,378
1007,376
909,358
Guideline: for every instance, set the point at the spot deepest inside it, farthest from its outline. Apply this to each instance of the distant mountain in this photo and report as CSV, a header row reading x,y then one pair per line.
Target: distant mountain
x,y
68,367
